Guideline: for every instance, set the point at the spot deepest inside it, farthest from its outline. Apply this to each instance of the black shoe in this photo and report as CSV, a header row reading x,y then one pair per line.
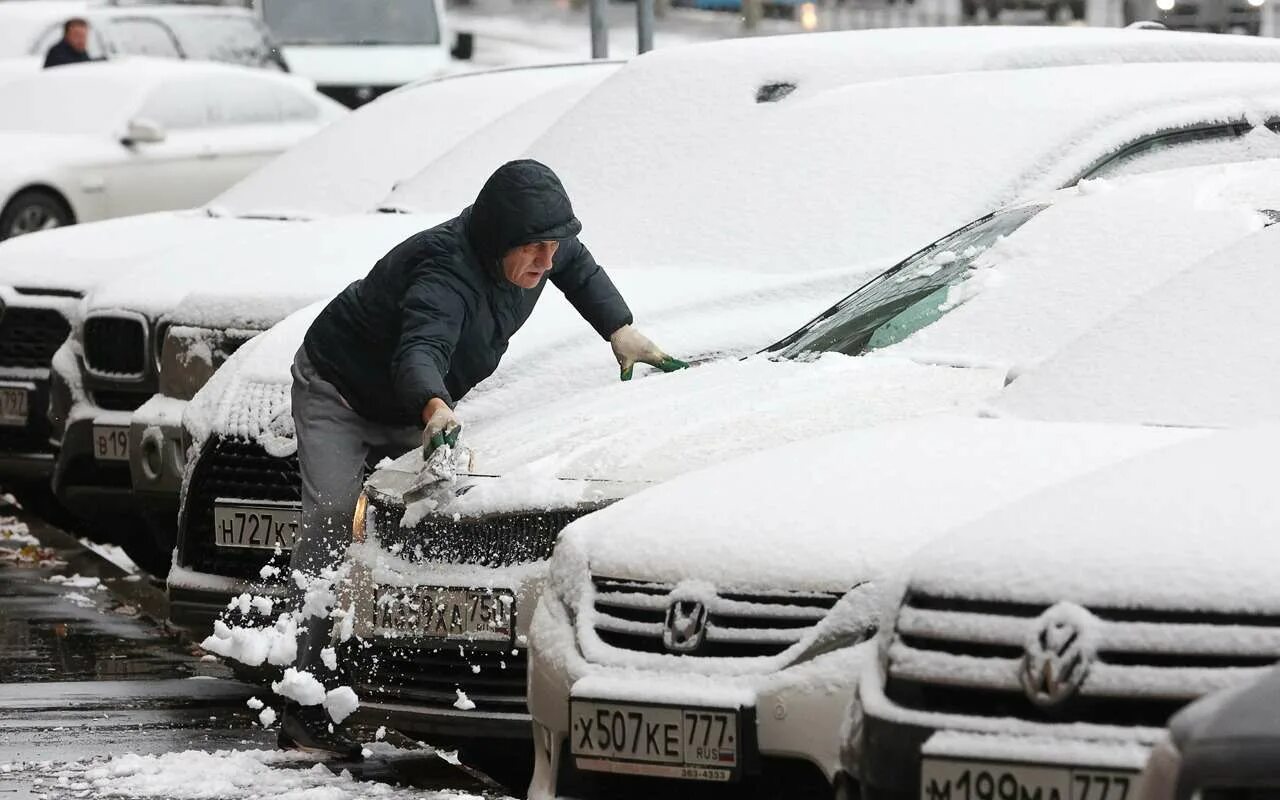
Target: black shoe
x,y
309,728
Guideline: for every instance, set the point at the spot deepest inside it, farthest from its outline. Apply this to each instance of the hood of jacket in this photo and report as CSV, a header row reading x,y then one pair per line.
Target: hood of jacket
x,y
523,201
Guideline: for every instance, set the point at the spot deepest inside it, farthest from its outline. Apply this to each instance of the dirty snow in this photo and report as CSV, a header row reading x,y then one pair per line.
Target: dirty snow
x,y
14,532
199,775
76,581
113,553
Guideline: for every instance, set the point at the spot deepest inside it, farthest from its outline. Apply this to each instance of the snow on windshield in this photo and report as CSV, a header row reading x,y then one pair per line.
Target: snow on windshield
x,y
1202,350
345,22
858,175
351,165
83,99
233,38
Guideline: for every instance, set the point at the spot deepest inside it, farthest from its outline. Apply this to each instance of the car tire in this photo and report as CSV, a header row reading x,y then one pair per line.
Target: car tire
x,y
34,210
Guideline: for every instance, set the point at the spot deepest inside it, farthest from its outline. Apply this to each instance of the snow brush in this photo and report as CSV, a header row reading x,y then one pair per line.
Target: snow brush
x,y
438,465
667,364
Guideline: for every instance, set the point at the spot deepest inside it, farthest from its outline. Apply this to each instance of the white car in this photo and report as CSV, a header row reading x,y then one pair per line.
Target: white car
x,y
135,335
488,537
28,28
1047,643
91,141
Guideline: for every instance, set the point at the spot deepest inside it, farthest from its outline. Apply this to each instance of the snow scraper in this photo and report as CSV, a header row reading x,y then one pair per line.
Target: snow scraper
x,y
438,466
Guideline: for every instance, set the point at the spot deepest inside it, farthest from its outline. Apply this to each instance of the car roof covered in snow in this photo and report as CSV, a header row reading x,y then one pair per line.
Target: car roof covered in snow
x,y
352,165
666,170
1191,527
1203,349
848,505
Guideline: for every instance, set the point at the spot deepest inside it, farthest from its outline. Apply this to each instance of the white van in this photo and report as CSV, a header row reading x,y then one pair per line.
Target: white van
x,y
357,51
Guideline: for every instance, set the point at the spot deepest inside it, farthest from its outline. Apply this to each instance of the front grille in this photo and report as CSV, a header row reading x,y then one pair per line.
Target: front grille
x,y
491,540
966,657
30,336
230,467
414,673
631,615
116,400
115,346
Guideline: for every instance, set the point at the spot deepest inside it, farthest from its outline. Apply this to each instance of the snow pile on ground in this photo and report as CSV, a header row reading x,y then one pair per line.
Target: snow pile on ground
x,y
198,775
15,532
76,581
113,553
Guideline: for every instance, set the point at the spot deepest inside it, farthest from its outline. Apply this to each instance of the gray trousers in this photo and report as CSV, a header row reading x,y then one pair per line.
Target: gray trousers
x,y
334,443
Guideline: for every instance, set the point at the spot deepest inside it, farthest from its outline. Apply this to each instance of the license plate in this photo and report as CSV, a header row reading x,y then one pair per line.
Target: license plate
x,y
111,442
945,779
256,526
443,612
13,406
701,744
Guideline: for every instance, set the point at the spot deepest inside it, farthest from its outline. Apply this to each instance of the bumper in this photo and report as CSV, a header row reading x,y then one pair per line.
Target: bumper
x,y
798,718
196,598
26,452
87,484
446,725
157,459
894,743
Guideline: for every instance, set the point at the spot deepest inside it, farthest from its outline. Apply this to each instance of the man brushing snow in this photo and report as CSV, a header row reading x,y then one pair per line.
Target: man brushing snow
x,y
384,364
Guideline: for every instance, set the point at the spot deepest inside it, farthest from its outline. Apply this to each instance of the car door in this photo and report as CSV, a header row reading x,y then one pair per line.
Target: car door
x,y
174,172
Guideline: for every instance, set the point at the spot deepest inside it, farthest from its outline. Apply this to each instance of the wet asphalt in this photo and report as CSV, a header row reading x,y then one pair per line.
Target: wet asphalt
x,y
88,672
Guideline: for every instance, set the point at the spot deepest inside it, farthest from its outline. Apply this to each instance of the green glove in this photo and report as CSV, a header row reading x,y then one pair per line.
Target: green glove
x,y
632,347
667,364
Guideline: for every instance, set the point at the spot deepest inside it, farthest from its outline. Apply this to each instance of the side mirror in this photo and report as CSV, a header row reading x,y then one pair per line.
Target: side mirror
x,y
143,131
463,46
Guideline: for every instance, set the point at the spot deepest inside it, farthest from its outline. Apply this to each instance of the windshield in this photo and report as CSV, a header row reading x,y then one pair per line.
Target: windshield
x,y
907,298
352,21
73,99
222,37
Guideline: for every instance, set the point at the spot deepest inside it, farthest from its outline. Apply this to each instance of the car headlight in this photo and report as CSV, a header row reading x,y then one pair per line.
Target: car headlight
x,y
359,521
189,356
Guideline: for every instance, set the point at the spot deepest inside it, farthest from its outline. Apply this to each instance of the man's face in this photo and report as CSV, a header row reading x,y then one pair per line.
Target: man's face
x,y
78,37
525,265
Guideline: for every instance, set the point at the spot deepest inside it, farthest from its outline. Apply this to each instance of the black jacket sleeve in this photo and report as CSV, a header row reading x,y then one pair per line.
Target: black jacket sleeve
x,y
587,286
433,315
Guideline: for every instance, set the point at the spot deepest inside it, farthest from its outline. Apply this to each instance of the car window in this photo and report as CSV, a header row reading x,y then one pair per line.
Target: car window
x,y
177,105
242,100
294,105
912,295
347,22
141,36
54,33
1192,148
230,38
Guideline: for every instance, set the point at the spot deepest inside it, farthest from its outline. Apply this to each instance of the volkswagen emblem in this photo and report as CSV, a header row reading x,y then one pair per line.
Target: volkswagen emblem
x,y
1058,655
686,626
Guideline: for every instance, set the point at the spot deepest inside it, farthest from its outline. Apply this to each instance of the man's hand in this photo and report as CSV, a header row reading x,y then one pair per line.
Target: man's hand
x,y
442,427
632,347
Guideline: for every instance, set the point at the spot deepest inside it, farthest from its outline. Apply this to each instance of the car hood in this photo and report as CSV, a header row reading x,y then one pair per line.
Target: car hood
x,y
827,513
1192,528
256,280
360,65
79,257
654,429
554,356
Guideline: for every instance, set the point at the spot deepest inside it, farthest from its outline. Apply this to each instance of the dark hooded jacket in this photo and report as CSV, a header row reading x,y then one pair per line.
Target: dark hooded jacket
x,y
62,53
434,316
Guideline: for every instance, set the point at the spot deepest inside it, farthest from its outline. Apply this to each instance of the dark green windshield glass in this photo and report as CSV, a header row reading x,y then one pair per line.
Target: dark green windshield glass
x,y
911,296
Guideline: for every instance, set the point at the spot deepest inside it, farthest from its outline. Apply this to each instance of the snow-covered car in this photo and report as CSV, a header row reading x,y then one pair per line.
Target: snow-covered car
x,y
1044,646
200,32
489,536
356,53
712,630
92,141
1224,744
148,339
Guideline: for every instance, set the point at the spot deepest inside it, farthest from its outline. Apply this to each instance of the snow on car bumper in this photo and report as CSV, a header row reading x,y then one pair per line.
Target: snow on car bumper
x,y
197,598
798,716
897,745
451,689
